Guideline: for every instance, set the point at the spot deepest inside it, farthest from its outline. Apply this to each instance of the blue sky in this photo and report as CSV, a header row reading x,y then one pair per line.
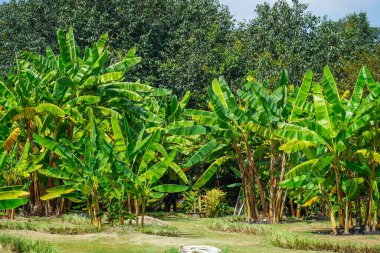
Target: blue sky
x,y
334,9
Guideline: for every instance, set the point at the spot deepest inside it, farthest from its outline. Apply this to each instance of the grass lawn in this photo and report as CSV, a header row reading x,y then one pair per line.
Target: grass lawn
x,y
192,231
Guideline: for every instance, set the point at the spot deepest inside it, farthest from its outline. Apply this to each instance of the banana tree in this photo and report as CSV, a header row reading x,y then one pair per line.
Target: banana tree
x,y
141,162
227,127
80,171
367,165
15,168
49,94
25,110
331,129
73,81
267,111
12,197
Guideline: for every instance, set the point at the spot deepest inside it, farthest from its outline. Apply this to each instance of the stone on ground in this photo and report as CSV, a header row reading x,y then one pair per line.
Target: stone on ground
x,y
199,249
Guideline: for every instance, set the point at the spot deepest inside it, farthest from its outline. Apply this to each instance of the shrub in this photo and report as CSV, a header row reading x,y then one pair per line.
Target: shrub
x,y
190,201
214,203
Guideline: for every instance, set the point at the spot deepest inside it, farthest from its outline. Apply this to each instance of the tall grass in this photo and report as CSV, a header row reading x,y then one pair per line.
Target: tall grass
x,y
49,228
171,250
21,245
161,230
75,219
161,215
290,240
239,227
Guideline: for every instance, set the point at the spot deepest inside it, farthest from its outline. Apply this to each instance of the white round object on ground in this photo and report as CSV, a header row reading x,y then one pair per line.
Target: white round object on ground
x,y
199,249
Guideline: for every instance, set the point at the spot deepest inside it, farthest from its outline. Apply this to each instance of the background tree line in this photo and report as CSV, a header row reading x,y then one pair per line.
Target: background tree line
x,y
185,44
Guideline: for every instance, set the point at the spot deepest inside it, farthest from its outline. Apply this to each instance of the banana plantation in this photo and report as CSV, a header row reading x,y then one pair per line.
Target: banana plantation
x,y
78,134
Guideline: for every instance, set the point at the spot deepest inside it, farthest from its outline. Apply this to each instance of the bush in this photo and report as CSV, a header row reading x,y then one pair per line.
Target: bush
x,y
190,201
215,205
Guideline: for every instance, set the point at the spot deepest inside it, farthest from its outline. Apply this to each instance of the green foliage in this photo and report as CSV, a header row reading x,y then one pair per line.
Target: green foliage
x,y
190,201
281,35
78,125
75,219
62,229
24,245
214,201
170,44
287,35
84,92
238,227
161,230
289,240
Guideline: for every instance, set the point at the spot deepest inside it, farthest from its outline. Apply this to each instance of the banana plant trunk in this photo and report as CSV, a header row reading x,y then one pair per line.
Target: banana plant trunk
x,y
283,206
90,210
346,220
279,202
245,174
359,220
377,219
137,211
121,216
339,192
333,222
298,211
247,199
292,207
367,222
143,205
37,202
374,227
98,218
272,208
252,165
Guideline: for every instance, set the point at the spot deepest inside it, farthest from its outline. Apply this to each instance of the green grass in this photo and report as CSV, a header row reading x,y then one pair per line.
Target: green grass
x,y
290,240
161,230
49,228
229,234
238,227
163,215
171,250
21,245
75,219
